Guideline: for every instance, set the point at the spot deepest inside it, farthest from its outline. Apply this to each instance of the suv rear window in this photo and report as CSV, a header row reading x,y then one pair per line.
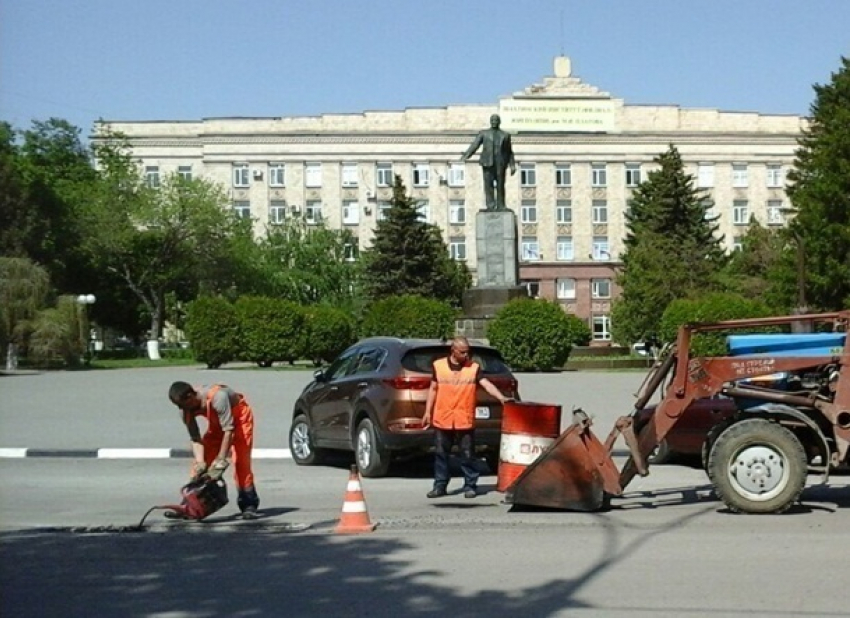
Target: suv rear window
x,y
421,359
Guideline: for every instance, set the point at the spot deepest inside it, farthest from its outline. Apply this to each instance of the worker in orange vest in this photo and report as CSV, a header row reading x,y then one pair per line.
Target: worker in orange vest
x,y
450,408
230,430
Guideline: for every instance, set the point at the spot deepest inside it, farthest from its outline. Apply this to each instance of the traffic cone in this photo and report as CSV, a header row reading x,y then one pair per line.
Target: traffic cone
x,y
355,517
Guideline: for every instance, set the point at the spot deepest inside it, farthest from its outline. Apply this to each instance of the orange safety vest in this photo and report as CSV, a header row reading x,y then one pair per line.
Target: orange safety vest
x,y
454,407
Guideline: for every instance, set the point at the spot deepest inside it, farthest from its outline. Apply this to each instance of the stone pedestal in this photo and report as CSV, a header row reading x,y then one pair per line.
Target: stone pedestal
x,y
497,270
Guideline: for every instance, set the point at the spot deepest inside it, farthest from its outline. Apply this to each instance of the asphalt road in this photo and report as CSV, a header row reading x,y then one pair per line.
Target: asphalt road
x,y
69,546
129,408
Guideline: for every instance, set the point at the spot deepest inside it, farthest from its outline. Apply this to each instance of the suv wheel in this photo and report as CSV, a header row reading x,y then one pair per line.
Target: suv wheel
x,y
372,459
304,453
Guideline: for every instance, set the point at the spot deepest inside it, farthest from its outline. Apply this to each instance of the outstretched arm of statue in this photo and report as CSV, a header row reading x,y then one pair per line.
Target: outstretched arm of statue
x,y
476,143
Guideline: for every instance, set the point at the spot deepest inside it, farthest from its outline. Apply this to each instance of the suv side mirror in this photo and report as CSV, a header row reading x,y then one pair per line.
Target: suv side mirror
x,y
319,375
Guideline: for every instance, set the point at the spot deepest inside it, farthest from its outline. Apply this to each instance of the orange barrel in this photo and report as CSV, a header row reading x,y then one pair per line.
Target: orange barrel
x,y
527,430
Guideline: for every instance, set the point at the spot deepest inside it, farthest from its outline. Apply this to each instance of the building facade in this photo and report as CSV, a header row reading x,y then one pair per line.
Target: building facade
x,y
580,153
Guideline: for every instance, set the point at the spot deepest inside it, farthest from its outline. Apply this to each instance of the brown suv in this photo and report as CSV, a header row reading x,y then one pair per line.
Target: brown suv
x,y
371,400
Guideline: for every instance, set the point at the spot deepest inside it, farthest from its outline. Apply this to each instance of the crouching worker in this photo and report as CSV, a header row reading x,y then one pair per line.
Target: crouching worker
x,y
230,425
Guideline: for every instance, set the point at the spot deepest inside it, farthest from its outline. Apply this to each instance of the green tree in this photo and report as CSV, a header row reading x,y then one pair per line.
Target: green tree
x,y
409,256
671,250
24,287
816,269
175,237
307,264
43,181
747,271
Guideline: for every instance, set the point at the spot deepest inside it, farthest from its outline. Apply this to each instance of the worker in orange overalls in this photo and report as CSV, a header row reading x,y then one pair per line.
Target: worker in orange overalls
x,y
230,425
450,408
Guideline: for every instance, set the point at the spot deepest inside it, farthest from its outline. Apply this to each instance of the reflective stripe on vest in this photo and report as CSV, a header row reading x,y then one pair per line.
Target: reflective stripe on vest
x,y
454,407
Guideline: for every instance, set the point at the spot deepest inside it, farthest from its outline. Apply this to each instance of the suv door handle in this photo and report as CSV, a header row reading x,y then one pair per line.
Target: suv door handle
x,y
362,384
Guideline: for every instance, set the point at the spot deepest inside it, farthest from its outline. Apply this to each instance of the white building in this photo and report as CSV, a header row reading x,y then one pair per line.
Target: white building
x,y
580,152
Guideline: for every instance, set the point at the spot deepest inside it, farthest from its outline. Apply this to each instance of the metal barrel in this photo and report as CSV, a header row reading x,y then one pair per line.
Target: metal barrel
x,y
527,431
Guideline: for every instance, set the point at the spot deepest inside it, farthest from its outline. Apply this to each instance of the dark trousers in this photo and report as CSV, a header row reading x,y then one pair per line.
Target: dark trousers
x,y
494,175
443,441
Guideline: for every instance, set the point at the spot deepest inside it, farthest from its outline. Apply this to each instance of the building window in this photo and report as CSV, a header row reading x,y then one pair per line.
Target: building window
x,y
528,211
384,175
313,176
152,176
563,175
457,212
240,175
457,248
564,211
349,174
740,175
564,251
424,210
600,212
350,212
705,175
533,288
383,209
242,209
530,249
351,251
527,175
313,212
457,175
277,175
601,327
277,212
775,212
565,289
600,288
740,212
185,172
709,213
599,175
421,175
600,249
775,176
632,174
737,243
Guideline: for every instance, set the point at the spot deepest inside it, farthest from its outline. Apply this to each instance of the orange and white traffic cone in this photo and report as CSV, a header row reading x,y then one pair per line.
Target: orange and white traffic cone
x,y
355,517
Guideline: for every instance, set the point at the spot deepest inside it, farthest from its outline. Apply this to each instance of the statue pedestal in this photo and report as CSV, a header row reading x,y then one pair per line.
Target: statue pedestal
x,y
497,272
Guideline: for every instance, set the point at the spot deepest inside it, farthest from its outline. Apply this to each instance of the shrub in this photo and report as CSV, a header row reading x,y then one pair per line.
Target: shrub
x,y
714,307
532,334
271,329
580,331
331,331
409,316
212,330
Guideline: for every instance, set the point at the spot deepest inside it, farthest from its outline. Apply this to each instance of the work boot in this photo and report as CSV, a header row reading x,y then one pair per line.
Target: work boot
x,y
470,492
248,498
437,492
250,512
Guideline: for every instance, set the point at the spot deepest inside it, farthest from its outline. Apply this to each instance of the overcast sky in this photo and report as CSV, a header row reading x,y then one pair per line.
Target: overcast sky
x,y
190,59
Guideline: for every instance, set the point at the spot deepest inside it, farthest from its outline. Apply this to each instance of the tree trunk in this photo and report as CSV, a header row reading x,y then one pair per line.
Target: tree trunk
x,y
156,325
11,357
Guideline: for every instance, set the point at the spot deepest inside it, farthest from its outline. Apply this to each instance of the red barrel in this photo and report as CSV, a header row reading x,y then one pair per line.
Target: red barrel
x,y
527,430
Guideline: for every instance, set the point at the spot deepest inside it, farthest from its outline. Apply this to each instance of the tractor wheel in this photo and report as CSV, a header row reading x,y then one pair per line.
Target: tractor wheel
x,y
757,466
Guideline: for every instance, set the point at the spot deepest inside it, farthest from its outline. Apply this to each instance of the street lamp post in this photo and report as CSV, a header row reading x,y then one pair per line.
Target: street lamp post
x,y
84,300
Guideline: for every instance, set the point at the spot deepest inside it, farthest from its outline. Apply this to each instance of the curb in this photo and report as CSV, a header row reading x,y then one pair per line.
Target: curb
x,y
128,453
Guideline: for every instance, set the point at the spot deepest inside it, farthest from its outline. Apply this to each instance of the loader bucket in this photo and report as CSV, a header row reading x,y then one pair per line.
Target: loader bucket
x,y
575,473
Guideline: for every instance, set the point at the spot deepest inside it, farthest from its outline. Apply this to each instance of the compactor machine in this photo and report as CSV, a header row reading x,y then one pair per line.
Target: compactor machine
x,y
758,460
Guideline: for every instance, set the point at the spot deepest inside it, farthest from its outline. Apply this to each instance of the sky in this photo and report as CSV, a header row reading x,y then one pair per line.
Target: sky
x,y
193,59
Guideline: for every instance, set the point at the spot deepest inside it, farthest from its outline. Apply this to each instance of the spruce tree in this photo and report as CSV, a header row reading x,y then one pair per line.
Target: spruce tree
x,y
815,271
409,256
672,250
